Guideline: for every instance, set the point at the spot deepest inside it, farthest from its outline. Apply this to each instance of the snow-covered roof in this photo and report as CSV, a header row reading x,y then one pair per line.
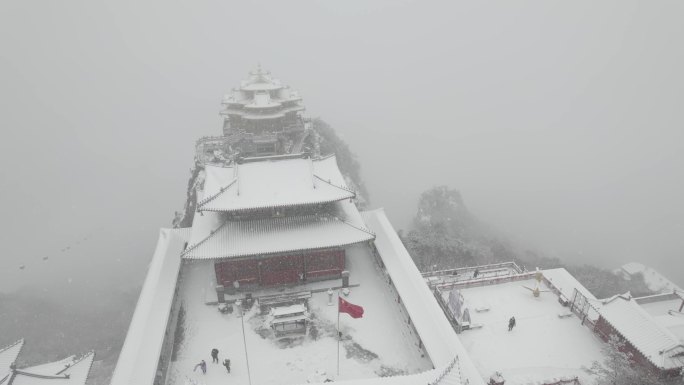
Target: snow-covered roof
x,y
665,310
69,371
260,80
566,283
273,183
53,367
632,268
140,353
262,100
261,86
654,280
288,319
654,341
278,235
437,335
287,310
8,355
268,114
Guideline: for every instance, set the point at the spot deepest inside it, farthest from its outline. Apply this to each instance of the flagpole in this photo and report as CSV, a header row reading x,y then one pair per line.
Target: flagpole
x,y
244,338
338,333
355,311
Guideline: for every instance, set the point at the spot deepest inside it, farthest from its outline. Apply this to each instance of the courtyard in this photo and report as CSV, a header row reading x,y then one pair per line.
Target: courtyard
x,y
547,342
381,343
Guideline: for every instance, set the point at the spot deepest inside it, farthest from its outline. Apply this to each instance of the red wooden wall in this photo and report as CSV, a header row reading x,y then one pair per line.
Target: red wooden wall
x,y
282,269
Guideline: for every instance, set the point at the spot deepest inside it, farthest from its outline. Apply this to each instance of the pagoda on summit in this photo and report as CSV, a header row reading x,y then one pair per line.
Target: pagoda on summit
x,y
261,117
262,105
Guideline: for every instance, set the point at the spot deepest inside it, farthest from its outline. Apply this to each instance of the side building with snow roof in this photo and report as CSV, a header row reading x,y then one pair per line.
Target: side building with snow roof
x,y
550,340
651,327
561,326
73,370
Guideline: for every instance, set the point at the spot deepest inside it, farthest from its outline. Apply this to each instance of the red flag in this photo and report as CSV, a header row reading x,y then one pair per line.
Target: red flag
x,y
355,311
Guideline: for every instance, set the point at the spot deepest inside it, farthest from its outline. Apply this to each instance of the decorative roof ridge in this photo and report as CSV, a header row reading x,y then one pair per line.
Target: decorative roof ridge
x,y
43,376
673,347
209,137
679,293
289,219
17,342
271,206
276,252
206,200
254,159
626,296
365,230
79,360
334,185
222,165
658,295
211,234
446,372
324,157
10,375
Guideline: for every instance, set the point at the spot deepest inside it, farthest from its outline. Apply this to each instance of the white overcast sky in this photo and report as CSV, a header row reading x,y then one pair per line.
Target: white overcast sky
x,y
561,123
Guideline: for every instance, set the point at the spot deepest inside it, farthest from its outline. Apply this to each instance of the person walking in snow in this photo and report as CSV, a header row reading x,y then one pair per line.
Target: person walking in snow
x,y
511,323
214,356
202,365
226,363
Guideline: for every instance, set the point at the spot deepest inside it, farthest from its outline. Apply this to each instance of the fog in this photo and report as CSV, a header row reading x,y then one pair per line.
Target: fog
x,y
561,123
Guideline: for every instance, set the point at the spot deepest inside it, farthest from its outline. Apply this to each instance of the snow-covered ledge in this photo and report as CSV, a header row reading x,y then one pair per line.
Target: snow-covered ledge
x,y
140,353
439,338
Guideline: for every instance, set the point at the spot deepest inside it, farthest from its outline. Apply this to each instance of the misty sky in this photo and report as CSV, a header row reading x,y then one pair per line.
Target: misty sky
x,y
561,123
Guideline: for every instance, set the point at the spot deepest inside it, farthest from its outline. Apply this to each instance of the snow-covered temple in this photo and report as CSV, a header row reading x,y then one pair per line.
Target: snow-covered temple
x,y
258,251
71,370
275,221
275,238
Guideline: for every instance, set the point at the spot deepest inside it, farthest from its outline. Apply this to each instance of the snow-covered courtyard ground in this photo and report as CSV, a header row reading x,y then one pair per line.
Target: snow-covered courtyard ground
x,y
542,346
378,344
